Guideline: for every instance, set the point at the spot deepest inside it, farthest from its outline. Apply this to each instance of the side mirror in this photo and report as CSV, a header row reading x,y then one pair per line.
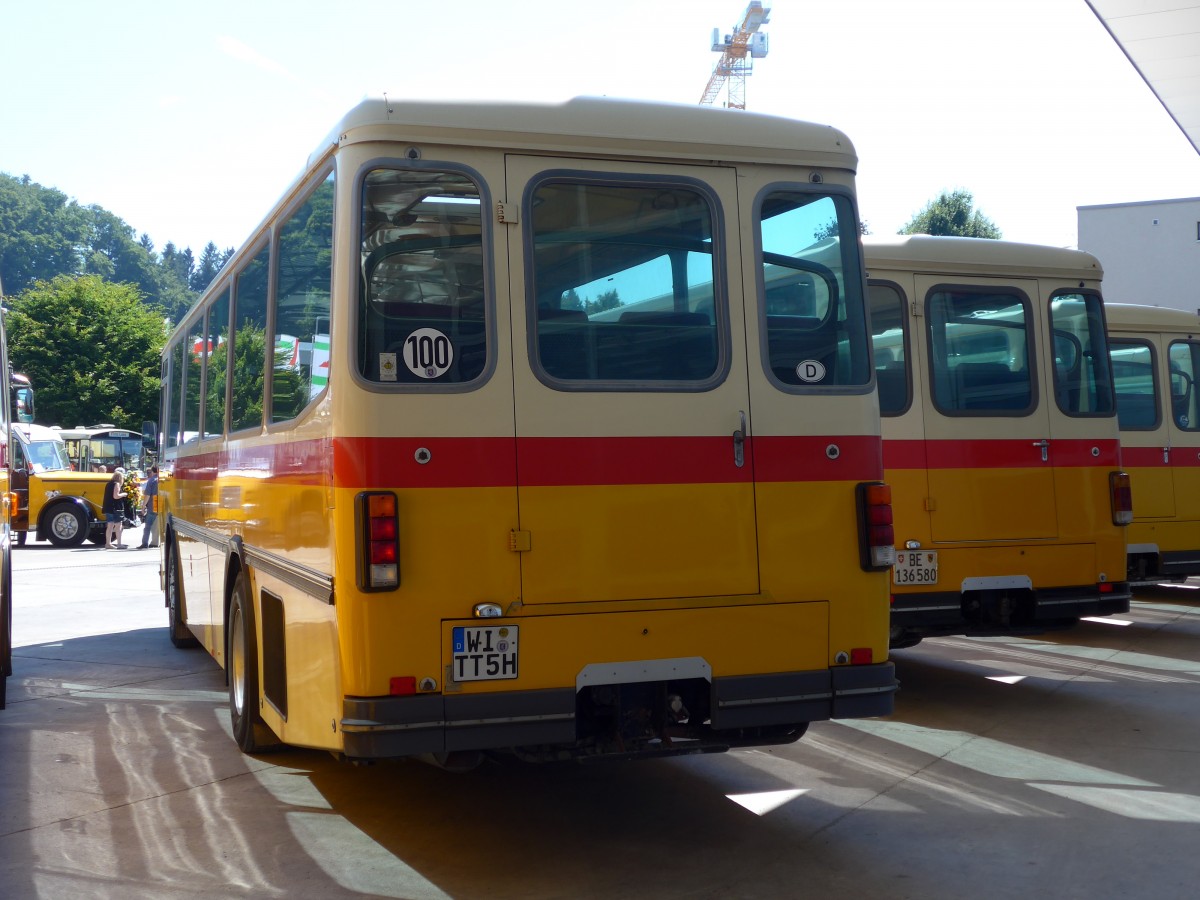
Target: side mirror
x,y
149,434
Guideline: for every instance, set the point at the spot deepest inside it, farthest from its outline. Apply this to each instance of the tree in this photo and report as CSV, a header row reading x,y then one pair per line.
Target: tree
x,y
211,262
91,349
41,233
952,213
44,234
833,229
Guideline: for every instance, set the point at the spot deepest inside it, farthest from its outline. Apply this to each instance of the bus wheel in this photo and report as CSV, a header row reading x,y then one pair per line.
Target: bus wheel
x,y
241,664
67,526
176,616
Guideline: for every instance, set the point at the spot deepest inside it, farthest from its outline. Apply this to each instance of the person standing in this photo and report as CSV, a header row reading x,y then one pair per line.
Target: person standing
x,y
150,508
114,510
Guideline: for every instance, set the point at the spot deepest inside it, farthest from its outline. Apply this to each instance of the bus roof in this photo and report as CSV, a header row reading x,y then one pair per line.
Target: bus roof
x,y
977,256
598,124
1136,317
30,432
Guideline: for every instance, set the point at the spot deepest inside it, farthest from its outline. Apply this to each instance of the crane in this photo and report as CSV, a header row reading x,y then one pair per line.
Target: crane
x,y
733,66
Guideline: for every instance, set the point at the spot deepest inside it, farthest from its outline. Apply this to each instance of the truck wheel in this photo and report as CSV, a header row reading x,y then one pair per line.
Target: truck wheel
x,y
66,525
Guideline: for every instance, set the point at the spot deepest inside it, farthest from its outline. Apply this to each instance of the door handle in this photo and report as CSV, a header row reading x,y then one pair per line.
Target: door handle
x,y
739,441
1166,456
1045,445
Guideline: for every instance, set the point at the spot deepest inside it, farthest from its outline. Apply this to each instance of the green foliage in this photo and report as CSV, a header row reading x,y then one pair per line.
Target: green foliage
x,y
605,300
44,234
249,352
833,229
89,299
41,232
211,262
91,349
952,213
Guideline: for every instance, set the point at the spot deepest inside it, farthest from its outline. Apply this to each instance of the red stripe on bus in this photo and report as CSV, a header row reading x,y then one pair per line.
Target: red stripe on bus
x,y
549,461
297,462
1152,457
833,457
430,462
1000,454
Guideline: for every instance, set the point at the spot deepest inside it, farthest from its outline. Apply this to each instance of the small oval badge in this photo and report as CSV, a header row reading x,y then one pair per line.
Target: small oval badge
x,y
810,371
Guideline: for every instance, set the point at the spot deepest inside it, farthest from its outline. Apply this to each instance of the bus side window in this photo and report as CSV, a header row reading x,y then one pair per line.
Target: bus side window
x,y
303,279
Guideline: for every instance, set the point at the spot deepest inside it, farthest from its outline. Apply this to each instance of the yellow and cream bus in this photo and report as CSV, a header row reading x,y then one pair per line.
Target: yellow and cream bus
x,y
436,481
1156,363
1000,436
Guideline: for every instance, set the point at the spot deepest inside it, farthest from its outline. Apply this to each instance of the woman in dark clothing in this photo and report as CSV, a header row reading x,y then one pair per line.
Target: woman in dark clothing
x,y
114,510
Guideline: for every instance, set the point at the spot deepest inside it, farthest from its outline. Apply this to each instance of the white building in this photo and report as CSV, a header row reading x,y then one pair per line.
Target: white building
x,y
1150,250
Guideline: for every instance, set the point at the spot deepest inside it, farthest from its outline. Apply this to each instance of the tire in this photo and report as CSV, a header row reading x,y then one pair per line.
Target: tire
x,y
177,628
66,526
5,626
241,668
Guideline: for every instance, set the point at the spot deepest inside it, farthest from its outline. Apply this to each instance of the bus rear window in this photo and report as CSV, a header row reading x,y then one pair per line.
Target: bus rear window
x,y
1134,369
813,308
979,353
623,279
1082,385
422,313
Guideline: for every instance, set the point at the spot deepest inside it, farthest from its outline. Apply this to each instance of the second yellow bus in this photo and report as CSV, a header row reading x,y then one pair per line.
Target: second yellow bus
x,y
1000,436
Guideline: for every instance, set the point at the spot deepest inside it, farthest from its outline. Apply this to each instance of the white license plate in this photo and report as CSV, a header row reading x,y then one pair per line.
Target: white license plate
x,y
484,653
915,567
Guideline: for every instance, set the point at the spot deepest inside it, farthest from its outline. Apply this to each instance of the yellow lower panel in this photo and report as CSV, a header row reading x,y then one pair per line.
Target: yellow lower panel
x,y
314,694
453,554
743,640
1053,565
636,542
1168,535
808,550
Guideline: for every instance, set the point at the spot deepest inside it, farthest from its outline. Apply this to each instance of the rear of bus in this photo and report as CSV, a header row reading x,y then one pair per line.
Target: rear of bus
x,y
1156,361
600,437
1000,436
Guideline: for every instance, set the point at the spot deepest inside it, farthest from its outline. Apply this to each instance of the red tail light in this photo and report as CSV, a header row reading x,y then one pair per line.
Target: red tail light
x,y
378,539
876,540
1121,494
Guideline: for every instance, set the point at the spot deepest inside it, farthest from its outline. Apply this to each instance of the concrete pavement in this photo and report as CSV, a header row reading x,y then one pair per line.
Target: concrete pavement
x,y
1061,766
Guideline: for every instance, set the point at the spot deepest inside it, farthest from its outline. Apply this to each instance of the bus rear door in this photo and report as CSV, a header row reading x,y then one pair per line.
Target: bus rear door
x,y
634,476
990,471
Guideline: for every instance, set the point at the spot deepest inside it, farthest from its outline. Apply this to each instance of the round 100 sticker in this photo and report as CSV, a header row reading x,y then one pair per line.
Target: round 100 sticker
x,y
428,353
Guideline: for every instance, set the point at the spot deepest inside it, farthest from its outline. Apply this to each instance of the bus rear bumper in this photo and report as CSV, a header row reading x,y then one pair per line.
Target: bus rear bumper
x,y
1002,611
745,711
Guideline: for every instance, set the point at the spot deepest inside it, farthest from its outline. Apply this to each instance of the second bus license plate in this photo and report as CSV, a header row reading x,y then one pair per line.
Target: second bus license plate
x,y
915,567
484,653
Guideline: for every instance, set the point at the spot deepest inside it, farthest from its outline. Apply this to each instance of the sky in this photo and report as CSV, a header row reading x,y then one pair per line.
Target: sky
x,y
189,120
